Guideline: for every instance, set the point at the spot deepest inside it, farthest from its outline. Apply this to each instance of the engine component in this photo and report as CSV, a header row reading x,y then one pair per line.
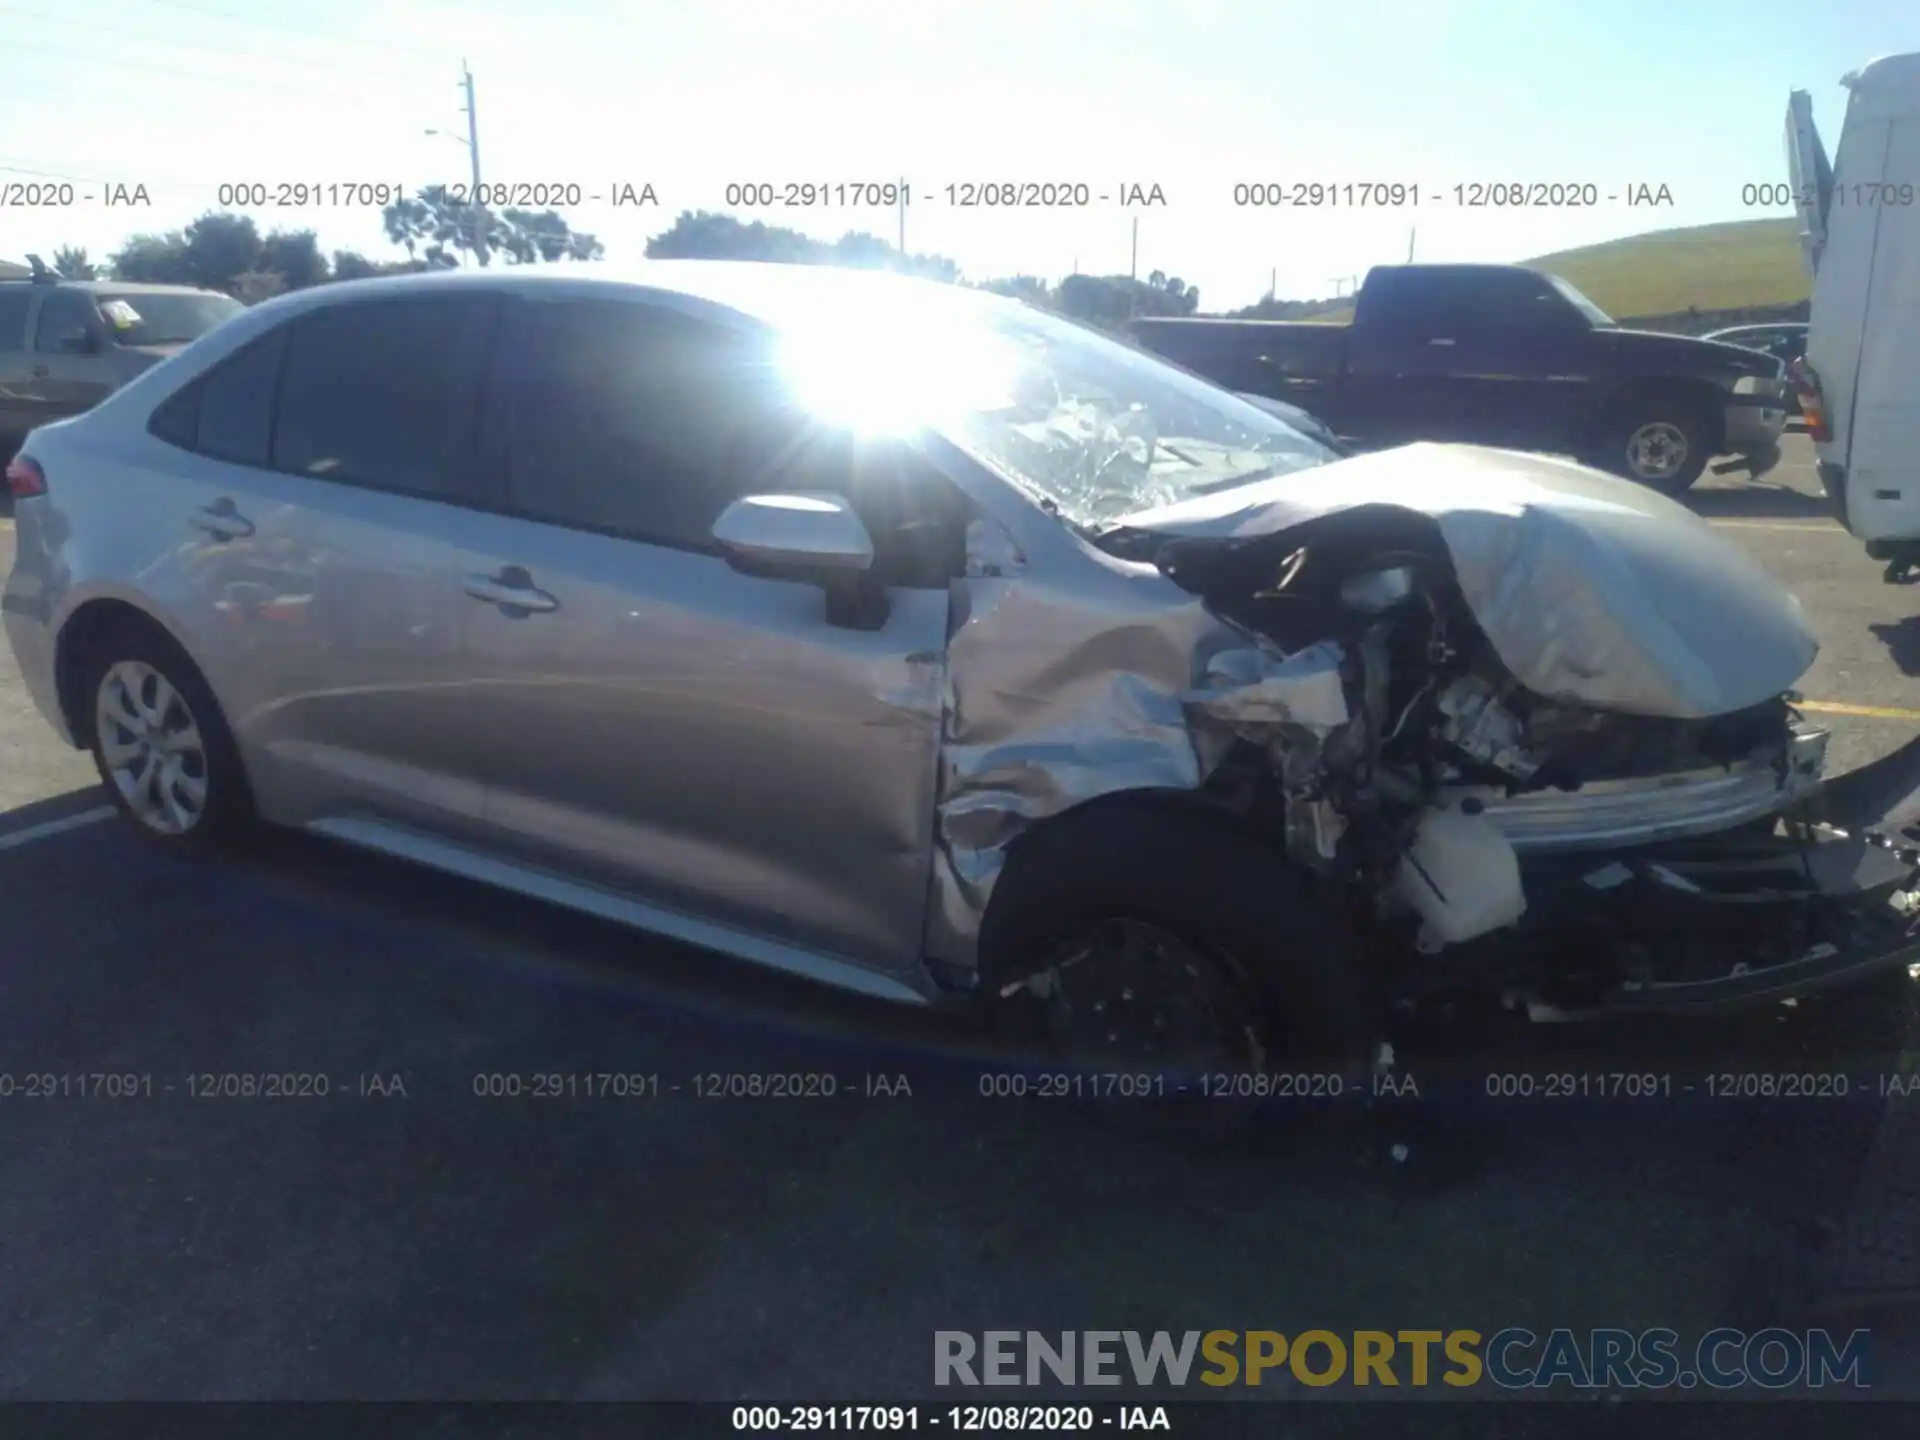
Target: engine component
x,y
1475,722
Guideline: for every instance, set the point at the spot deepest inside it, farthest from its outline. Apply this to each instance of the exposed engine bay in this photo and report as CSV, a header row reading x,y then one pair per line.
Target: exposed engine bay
x,y
1462,812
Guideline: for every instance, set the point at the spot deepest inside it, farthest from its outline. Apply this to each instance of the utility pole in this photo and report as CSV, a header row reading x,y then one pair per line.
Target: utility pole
x,y
1273,282
1410,234
473,154
1133,266
903,222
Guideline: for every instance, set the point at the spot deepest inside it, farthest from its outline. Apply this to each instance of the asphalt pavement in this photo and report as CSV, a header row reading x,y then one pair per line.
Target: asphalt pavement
x,y
413,1233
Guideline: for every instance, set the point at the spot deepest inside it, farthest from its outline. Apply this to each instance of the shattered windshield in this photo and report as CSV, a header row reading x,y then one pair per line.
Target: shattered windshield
x,y
1091,427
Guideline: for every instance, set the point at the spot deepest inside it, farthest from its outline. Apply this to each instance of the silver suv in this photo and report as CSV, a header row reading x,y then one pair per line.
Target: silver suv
x,y
930,645
65,345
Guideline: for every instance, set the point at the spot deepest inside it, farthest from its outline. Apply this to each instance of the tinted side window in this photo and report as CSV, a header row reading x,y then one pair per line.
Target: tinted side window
x,y
227,413
633,418
236,403
1449,304
384,393
15,301
63,312
1521,302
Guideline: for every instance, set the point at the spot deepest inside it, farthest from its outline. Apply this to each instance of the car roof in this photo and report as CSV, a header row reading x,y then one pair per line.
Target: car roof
x,y
773,293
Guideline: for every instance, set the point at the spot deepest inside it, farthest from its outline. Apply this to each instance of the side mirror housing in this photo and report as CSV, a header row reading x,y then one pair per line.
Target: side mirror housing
x,y
812,536
77,342
804,536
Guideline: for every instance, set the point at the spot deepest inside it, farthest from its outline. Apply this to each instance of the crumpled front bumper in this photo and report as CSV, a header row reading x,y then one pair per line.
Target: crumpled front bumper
x,y
1829,899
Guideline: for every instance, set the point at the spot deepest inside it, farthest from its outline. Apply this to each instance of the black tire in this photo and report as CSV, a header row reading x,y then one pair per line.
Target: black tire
x,y
226,813
1265,964
1664,444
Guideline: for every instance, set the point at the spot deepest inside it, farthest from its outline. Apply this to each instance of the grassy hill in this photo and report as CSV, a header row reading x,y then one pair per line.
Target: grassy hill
x,y
1735,266
1709,267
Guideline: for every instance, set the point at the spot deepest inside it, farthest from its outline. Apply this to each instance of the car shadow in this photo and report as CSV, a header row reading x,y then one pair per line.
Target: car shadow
x,y
1902,639
1758,500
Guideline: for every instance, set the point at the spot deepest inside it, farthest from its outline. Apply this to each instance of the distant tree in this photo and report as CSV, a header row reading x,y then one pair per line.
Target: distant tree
x,y
296,257
1030,288
352,265
705,235
72,262
221,247
526,235
152,259
1272,309
253,286
432,226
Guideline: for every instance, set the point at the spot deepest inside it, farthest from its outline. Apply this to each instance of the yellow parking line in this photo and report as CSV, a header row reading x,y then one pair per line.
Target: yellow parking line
x,y
1826,527
1877,712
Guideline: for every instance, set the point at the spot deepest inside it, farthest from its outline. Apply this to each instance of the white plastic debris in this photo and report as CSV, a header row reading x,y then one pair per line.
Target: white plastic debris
x,y
1461,877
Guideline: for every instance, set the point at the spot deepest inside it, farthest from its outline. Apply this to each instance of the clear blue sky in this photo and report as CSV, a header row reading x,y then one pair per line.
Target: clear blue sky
x,y
1191,95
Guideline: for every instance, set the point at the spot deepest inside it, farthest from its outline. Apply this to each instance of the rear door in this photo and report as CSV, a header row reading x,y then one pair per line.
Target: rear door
x,y
658,724
332,457
1811,176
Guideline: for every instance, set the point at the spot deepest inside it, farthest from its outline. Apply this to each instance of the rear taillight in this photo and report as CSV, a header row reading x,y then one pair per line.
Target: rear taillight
x,y
25,478
1813,404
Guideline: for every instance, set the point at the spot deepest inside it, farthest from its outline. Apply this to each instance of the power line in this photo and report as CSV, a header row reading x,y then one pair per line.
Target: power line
x,y
178,43
304,32
95,58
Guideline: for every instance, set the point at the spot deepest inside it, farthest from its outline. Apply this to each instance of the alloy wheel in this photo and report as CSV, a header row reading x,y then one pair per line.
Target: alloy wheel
x,y
151,747
1657,450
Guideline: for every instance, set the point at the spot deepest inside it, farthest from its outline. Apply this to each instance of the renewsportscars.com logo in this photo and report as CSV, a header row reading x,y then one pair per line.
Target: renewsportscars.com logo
x,y
1511,1359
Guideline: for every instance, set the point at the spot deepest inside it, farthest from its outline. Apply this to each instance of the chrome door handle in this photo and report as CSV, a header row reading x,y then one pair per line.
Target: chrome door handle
x,y
222,520
512,587
1439,342
40,372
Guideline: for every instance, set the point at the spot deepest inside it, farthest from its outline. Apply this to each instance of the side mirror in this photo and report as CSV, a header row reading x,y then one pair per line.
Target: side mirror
x,y
811,536
805,536
77,342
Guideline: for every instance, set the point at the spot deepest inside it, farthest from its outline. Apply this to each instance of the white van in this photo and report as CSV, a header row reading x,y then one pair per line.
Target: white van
x,y
1860,232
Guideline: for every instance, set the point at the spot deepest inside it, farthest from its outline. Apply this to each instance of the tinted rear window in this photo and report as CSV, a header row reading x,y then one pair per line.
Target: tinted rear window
x,y
228,412
236,405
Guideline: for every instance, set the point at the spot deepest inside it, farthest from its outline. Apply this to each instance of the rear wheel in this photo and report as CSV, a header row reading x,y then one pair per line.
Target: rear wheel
x,y
159,741
1174,968
1663,444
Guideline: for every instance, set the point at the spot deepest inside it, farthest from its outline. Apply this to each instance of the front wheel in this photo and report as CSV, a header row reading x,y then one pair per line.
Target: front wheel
x,y
1158,943
1664,445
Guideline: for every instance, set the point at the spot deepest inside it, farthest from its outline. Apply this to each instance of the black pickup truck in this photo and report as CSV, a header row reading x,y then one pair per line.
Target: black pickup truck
x,y
1500,355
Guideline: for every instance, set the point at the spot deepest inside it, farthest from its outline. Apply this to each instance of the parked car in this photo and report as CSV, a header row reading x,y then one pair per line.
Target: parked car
x,y
1860,237
924,643
65,345
1500,355
1785,341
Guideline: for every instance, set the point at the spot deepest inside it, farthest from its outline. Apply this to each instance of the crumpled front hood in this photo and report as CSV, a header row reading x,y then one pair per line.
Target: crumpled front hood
x,y
1591,589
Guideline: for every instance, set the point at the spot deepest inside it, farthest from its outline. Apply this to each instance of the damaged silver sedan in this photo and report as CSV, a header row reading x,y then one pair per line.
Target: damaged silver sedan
x,y
930,645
